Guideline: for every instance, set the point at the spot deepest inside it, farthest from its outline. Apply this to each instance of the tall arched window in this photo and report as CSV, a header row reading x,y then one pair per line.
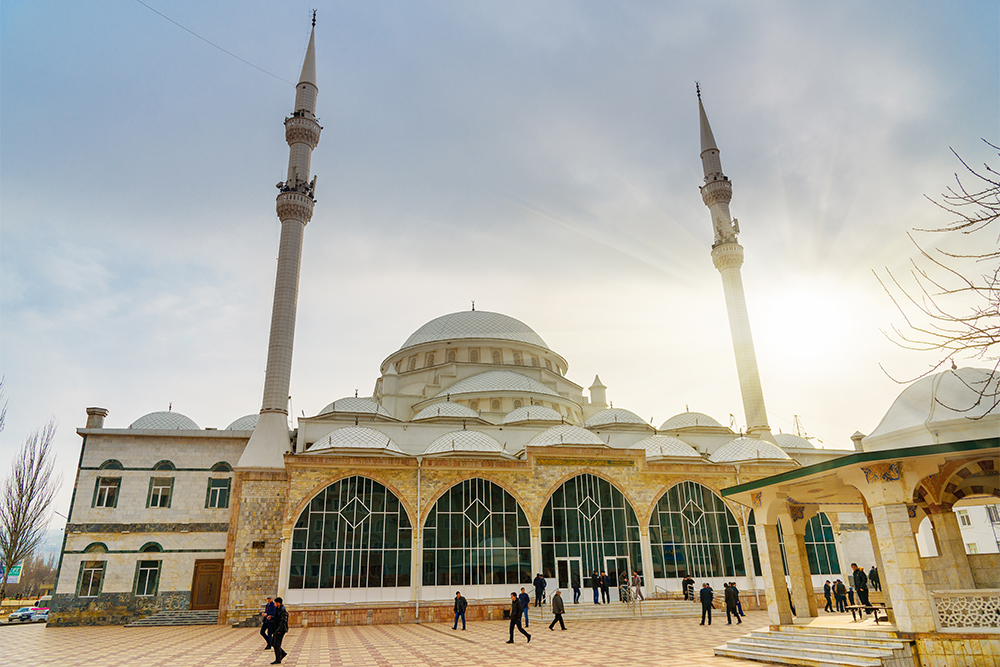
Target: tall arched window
x,y
476,535
820,547
588,525
693,532
354,534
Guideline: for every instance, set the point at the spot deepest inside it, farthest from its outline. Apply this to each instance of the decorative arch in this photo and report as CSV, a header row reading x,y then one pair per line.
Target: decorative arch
x,y
974,478
354,534
693,532
112,464
309,496
432,498
151,547
476,533
165,465
651,508
96,548
222,466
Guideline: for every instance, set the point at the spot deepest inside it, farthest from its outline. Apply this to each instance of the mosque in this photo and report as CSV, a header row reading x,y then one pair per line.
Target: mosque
x,y
477,462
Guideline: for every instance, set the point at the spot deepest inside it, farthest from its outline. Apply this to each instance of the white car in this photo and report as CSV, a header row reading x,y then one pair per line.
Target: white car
x,y
22,614
40,614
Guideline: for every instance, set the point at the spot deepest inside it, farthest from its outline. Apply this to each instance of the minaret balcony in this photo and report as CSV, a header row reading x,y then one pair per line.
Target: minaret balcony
x,y
728,255
715,192
302,130
294,206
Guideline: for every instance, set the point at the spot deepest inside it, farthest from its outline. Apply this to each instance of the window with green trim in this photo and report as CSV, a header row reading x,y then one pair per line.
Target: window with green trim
x,y
218,493
147,577
91,578
106,492
160,490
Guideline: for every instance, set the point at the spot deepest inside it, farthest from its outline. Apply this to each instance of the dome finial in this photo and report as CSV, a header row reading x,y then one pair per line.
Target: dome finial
x,y
697,85
314,18
473,305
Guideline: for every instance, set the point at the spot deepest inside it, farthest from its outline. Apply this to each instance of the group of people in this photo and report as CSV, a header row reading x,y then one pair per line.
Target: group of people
x,y
843,595
273,627
601,584
731,597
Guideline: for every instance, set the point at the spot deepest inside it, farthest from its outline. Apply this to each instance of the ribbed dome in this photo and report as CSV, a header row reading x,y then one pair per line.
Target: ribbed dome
x,y
613,416
474,324
355,437
446,409
747,449
353,404
789,441
495,381
531,413
465,441
165,421
247,423
664,445
688,420
566,434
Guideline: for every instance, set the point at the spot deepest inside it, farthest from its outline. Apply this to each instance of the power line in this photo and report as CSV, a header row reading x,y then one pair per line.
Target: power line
x,y
210,43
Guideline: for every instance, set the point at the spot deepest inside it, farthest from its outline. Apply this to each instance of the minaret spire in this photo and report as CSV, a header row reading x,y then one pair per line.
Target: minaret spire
x,y
727,255
295,202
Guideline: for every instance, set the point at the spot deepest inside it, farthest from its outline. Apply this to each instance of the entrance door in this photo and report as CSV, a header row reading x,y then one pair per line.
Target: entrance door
x,y
565,568
206,584
616,565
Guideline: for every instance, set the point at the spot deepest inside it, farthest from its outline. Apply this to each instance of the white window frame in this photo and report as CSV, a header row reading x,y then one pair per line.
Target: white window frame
x,y
107,486
89,571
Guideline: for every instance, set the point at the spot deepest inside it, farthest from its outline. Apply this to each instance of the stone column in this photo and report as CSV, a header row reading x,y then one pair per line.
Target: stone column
x,y
951,547
886,594
646,548
778,610
902,577
536,550
417,563
803,593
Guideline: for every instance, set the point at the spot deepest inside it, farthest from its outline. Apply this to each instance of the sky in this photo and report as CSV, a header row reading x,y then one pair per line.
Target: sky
x,y
541,159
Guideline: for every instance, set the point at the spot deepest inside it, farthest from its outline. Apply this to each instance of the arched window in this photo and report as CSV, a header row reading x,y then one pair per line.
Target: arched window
x,y
476,535
518,403
151,547
588,525
497,357
518,359
693,532
96,548
354,534
164,465
112,464
413,363
222,466
474,356
820,546
755,551
429,359
495,405
474,405
452,356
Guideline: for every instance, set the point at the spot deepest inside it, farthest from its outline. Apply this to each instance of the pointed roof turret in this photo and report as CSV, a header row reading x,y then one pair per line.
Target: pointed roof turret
x,y
710,161
598,383
308,74
707,138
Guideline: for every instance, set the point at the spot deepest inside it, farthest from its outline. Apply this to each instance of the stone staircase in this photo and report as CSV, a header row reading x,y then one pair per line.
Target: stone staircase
x,y
822,647
616,611
176,618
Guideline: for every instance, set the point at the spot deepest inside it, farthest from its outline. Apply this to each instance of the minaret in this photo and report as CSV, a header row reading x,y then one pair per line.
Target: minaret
x,y
269,441
727,254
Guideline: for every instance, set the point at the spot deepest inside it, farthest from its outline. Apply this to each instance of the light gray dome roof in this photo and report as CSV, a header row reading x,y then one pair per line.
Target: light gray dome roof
x,y
494,381
446,409
566,434
790,441
465,441
246,423
353,404
747,449
165,421
474,324
531,413
355,437
664,445
688,420
612,416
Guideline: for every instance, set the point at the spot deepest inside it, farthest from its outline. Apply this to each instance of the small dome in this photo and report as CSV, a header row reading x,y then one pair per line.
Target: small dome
x,y
474,324
566,434
665,446
689,420
355,437
614,416
531,413
446,409
247,423
164,421
494,381
354,405
748,449
465,441
789,441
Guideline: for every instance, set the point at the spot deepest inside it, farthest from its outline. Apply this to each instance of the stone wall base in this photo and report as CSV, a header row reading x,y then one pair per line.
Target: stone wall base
x,y
958,650
392,614
112,608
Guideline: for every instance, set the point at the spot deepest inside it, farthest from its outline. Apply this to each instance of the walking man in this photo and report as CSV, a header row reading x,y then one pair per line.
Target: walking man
x,y
637,584
706,603
605,596
827,590
732,599
539,583
861,586
460,606
595,583
267,623
280,628
575,583
558,609
525,603
873,579
515,617
739,605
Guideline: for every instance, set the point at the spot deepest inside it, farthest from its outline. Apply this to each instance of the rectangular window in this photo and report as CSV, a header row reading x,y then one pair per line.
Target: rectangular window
x,y
147,577
159,491
993,512
971,548
963,518
91,578
106,493
218,493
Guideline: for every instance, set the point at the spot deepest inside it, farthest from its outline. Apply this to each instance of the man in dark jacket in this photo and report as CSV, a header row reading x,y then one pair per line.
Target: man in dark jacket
x,y
280,628
840,594
827,591
525,603
558,609
732,597
267,623
705,595
574,580
861,585
873,579
688,585
539,583
515,618
595,583
460,606
605,585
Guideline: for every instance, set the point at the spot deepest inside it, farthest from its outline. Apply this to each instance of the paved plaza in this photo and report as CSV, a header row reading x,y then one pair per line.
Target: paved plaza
x,y
636,643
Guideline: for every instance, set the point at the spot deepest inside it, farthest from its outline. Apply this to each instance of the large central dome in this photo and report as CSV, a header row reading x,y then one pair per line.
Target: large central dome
x,y
474,324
